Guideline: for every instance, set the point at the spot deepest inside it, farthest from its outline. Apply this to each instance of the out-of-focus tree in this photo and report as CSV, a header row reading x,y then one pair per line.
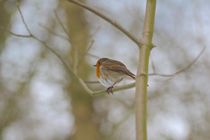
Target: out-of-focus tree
x,y
42,99
82,103
8,107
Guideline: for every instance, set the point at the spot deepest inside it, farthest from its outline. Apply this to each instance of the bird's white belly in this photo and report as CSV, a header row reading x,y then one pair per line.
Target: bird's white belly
x,y
106,82
109,78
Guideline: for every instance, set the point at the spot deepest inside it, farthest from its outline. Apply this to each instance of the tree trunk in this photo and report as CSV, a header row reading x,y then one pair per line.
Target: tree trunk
x,y
82,103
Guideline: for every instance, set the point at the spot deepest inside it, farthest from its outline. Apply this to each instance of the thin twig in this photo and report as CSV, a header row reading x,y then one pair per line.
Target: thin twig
x,y
93,55
24,22
90,45
116,88
62,25
115,24
70,72
39,40
16,34
19,35
128,86
64,30
84,83
85,53
153,65
43,43
54,33
181,70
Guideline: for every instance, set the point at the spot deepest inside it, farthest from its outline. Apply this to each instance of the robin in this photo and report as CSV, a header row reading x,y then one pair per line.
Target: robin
x,y
111,72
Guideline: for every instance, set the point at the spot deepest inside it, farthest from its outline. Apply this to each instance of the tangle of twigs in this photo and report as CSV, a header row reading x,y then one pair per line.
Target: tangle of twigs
x,y
82,82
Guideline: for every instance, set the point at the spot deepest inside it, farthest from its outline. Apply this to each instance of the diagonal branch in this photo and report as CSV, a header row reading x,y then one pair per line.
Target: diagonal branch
x,y
81,58
84,83
54,33
124,87
20,35
62,25
70,72
88,90
36,38
115,24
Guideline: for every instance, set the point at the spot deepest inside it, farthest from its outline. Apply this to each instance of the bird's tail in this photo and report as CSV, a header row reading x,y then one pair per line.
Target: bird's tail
x,y
133,76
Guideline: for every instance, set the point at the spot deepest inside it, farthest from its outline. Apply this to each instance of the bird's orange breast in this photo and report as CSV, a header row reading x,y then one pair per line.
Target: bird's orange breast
x,y
98,70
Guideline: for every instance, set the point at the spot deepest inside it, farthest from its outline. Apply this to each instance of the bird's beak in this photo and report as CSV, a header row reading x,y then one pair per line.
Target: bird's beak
x,y
94,65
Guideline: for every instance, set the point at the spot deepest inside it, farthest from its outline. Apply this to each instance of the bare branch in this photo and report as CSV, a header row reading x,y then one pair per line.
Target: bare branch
x,y
115,89
62,25
39,40
85,53
43,42
54,33
24,22
93,55
153,65
84,83
19,35
181,70
70,72
124,87
128,86
115,24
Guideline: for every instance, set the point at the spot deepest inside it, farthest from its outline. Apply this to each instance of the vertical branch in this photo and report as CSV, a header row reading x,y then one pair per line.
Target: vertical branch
x,y
142,73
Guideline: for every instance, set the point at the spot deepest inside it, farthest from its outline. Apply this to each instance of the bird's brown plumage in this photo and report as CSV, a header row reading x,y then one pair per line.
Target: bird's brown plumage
x,y
112,65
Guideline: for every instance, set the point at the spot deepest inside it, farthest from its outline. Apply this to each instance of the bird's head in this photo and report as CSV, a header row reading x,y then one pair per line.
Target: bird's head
x,y
100,61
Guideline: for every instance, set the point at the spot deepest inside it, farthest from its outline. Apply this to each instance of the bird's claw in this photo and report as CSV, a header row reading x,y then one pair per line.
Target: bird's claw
x,y
109,90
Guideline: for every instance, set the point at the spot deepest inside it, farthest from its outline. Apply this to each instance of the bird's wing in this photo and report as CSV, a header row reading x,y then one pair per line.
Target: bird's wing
x,y
117,66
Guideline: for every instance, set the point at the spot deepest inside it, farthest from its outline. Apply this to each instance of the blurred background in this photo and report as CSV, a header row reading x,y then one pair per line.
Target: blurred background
x,y
40,99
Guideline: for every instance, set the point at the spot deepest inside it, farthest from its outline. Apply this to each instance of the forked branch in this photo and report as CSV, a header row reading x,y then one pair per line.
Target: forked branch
x,y
84,83
114,23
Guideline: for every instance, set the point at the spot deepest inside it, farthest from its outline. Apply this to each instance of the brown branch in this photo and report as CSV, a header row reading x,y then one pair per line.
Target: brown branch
x,y
19,35
115,24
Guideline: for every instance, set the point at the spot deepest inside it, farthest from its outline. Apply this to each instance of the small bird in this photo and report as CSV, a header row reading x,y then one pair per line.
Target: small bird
x,y
110,72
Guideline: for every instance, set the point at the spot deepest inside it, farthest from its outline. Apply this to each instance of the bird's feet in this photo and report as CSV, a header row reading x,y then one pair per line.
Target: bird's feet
x,y
109,90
